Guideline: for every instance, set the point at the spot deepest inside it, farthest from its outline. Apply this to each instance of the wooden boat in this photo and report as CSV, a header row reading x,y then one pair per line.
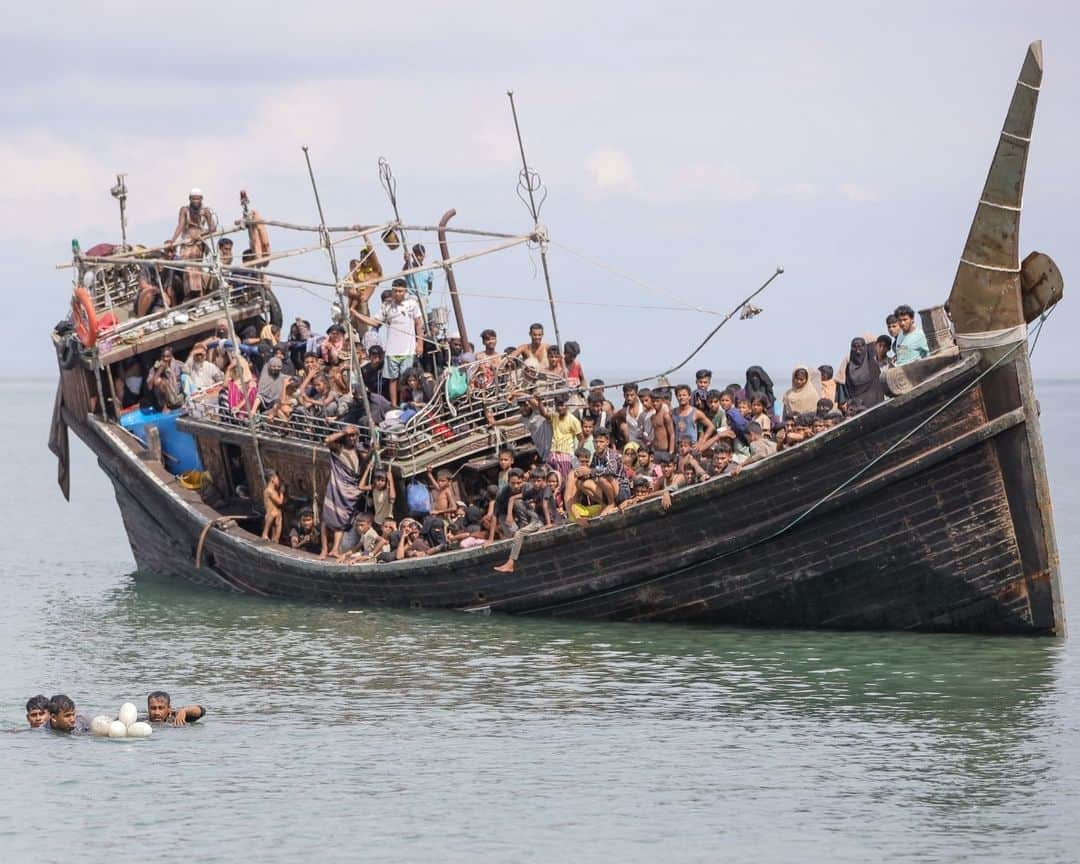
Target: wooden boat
x,y
930,512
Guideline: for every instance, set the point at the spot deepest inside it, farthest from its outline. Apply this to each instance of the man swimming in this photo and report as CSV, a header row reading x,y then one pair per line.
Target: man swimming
x,y
37,711
62,717
159,710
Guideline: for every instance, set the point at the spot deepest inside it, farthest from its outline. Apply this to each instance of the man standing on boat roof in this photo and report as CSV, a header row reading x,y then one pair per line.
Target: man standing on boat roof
x,y
193,223
421,284
420,287
404,336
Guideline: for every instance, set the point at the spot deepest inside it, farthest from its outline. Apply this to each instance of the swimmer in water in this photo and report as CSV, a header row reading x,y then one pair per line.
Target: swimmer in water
x,y
159,710
37,711
62,717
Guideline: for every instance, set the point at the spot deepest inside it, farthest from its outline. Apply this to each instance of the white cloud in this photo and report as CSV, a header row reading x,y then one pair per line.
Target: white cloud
x,y
707,181
800,192
857,193
611,171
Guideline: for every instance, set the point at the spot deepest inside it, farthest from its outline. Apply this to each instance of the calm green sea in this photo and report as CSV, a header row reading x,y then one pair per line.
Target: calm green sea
x,y
347,735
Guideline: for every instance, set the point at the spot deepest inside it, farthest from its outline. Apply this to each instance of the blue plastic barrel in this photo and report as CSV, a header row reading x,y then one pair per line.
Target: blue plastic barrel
x,y
181,453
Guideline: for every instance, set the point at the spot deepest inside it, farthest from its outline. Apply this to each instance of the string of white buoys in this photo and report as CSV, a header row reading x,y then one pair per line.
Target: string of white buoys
x,y
127,724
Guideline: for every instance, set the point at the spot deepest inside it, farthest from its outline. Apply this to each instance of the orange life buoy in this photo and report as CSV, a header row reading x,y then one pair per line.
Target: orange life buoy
x,y
84,317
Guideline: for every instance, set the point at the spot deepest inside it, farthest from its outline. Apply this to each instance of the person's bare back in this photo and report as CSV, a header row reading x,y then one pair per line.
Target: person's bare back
x,y
273,500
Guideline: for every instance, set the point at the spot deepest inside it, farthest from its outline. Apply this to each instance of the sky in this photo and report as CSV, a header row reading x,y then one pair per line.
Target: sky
x,y
693,147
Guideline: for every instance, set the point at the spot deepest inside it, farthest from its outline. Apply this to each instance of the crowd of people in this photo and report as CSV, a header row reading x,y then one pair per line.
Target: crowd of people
x,y
588,458
60,715
586,461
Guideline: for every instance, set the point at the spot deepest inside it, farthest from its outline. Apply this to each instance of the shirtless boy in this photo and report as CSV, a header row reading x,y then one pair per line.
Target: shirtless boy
x,y
536,348
443,500
663,427
273,500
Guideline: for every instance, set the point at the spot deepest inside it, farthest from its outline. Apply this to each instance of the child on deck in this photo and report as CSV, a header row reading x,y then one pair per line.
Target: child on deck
x,y
670,477
643,491
506,462
555,484
305,535
443,499
383,495
759,414
273,500
647,467
575,377
588,425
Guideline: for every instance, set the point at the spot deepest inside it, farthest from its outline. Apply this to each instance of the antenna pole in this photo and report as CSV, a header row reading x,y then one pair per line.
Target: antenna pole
x,y
354,365
119,192
531,181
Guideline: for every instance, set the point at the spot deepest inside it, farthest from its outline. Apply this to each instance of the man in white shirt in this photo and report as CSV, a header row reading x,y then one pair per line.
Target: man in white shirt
x,y
201,372
404,339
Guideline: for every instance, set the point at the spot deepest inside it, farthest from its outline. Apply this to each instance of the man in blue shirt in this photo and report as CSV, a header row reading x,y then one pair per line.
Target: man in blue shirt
x,y
420,284
910,342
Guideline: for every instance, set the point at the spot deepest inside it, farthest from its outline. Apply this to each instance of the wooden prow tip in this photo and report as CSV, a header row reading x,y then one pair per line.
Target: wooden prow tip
x,y
986,292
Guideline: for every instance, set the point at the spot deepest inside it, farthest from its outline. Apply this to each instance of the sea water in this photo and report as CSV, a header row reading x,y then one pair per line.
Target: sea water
x,y
360,734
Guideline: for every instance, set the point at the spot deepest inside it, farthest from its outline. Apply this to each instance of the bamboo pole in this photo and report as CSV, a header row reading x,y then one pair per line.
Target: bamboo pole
x,y
355,230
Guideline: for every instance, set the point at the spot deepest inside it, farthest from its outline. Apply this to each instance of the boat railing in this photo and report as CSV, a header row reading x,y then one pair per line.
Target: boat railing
x,y
299,427
451,425
210,305
115,287
440,431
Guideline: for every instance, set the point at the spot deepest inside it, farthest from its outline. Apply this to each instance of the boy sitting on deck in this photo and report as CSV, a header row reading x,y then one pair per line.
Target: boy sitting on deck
x,y
361,542
514,518
304,535
642,492
608,472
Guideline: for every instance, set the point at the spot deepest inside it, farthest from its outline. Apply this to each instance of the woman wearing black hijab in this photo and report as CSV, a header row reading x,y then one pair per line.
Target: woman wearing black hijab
x,y
863,375
759,385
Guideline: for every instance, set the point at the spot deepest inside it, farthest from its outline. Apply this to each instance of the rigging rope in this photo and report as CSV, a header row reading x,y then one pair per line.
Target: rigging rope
x,y
633,280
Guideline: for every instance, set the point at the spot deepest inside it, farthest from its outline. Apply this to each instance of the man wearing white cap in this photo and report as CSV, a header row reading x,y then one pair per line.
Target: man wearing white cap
x,y
193,223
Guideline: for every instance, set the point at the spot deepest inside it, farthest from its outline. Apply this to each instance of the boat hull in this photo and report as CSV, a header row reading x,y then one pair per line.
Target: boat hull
x,y
922,514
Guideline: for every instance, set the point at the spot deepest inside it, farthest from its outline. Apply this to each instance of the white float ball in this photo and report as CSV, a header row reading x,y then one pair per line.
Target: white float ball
x,y
139,730
100,725
128,713
117,729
